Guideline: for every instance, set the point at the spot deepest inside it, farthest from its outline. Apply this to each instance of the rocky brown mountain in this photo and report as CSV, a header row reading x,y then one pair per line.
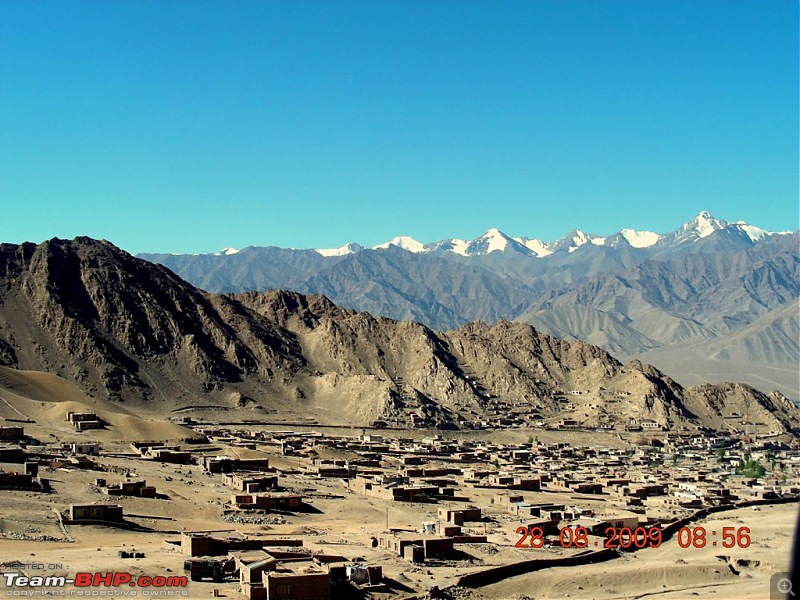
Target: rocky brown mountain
x,y
134,332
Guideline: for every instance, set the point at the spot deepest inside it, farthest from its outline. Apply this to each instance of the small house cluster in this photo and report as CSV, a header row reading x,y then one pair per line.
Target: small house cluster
x,y
85,421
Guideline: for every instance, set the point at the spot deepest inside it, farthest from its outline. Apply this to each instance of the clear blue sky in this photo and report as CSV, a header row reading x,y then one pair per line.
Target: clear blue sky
x,y
189,126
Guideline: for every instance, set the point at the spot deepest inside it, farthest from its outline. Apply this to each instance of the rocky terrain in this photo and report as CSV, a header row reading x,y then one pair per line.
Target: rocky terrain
x,y
705,287
704,280
133,332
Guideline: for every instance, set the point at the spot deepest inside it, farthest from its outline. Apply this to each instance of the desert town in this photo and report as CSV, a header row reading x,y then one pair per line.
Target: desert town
x,y
268,511
400,300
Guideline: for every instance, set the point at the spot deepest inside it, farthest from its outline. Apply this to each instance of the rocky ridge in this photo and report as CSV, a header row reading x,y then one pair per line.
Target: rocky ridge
x,y
134,332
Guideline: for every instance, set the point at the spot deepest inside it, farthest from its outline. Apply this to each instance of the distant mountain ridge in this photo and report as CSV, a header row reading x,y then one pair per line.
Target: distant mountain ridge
x,y
494,240
632,292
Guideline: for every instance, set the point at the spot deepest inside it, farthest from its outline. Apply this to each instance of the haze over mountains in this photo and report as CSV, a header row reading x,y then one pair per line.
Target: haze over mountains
x,y
709,301
130,331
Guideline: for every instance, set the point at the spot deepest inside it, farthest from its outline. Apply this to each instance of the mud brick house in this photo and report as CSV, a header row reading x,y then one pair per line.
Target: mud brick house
x,y
250,483
131,488
72,462
598,525
267,578
646,490
226,464
398,544
12,454
289,585
168,455
85,421
438,547
460,516
205,544
216,464
283,501
12,433
88,448
417,549
23,481
390,488
330,470
530,484
95,512
143,447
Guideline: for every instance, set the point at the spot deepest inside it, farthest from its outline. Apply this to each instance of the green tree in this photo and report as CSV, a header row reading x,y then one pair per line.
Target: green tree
x,y
750,468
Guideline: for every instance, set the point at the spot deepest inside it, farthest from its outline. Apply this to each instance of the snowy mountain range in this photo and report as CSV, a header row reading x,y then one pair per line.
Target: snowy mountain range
x,y
494,240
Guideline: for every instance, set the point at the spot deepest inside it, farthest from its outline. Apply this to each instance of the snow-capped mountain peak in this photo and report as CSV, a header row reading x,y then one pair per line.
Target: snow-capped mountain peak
x,y
458,246
537,247
350,248
640,239
578,239
575,239
497,240
227,252
754,233
404,242
703,225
